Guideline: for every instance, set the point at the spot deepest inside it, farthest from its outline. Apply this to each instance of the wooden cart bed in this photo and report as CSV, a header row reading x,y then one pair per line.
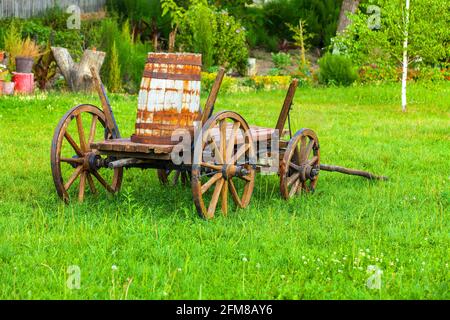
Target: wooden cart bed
x,y
127,146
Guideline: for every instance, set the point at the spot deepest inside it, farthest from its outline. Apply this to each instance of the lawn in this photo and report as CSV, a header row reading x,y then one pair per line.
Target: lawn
x,y
149,243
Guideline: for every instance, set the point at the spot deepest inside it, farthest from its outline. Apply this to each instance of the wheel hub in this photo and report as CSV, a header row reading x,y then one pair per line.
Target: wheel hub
x,y
229,171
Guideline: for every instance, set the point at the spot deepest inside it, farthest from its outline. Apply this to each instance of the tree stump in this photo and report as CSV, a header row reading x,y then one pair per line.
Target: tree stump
x,y
78,75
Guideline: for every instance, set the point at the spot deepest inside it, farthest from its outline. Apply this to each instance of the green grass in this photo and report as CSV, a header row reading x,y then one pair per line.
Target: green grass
x,y
313,247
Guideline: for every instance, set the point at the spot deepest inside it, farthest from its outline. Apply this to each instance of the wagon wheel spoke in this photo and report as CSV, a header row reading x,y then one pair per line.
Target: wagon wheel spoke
x,y
224,196
232,140
93,130
74,145
82,186
211,166
294,178
211,182
217,154
215,198
74,161
234,193
103,182
73,177
91,183
313,160
308,150
294,188
241,151
294,166
81,135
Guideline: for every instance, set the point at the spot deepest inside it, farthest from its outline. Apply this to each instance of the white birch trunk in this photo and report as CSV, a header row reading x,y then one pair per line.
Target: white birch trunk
x,y
405,57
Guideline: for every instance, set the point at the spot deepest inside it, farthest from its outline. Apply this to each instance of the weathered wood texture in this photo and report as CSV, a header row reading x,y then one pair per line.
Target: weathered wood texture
x,y
169,97
29,8
78,75
126,145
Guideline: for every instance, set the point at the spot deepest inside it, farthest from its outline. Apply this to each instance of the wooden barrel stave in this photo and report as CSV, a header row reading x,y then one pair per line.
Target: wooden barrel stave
x,y
169,98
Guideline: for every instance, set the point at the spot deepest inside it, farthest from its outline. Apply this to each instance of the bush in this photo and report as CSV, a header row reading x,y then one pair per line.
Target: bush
x,y
270,82
229,84
131,55
336,70
230,44
115,83
281,60
216,35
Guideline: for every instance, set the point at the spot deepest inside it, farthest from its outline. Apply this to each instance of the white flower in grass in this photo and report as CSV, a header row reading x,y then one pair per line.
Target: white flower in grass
x,y
114,267
244,259
339,270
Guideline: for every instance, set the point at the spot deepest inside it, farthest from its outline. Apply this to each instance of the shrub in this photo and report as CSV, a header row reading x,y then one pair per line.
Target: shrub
x,y
337,70
197,32
216,35
229,84
131,55
13,44
230,44
115,83
270,82
281,60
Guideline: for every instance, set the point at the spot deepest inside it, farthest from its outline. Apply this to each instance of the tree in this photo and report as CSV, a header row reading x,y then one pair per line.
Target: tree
x,y
115,80
177,14
78,75
348,7
405,55
301,36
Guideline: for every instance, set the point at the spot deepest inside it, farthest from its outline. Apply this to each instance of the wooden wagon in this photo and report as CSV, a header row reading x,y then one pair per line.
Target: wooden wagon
x,y
223,152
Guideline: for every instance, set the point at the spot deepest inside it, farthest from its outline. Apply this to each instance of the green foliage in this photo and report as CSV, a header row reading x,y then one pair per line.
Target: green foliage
x,y
45,67
281,60
13,43
301,39
230,46
114,78
216,35
429,34
320,15
336,70
131,54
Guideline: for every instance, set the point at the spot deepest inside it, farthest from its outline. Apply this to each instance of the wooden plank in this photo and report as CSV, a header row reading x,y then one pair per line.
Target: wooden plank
x,y
125,145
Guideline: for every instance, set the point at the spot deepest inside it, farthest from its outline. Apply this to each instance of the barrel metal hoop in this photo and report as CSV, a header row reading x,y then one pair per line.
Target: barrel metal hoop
x,y
179,61
171,76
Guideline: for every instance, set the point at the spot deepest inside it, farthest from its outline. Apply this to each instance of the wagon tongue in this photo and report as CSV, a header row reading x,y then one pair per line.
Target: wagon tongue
x,y
353,172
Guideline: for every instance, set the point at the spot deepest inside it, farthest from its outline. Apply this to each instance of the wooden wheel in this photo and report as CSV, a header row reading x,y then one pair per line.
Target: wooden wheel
x,y
223,163
300,166
172,177
74,164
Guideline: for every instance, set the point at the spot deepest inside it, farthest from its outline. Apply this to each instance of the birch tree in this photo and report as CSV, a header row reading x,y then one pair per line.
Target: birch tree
x,y
405,55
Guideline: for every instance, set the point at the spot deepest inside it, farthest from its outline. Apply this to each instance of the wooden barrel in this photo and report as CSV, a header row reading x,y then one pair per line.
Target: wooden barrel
x,y
169,98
